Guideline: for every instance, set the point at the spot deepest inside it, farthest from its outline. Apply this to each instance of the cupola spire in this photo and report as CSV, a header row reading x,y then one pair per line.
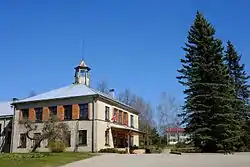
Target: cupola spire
x,y
82,75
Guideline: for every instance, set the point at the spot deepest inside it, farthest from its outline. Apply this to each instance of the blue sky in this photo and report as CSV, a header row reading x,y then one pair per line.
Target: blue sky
x,y
133,44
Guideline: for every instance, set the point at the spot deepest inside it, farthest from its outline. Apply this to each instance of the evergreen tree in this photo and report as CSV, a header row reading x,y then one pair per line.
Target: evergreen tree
x,y
239,79
237,73
208,110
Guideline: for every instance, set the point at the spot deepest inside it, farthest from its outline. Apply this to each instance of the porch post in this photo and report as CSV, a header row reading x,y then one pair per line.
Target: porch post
x,y
128,143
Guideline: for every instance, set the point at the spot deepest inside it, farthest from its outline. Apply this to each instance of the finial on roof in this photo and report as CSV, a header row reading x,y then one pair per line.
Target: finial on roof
x,y
82,64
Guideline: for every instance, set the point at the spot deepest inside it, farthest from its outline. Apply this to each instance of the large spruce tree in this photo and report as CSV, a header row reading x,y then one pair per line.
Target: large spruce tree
x,y
239,79
208,110
237,72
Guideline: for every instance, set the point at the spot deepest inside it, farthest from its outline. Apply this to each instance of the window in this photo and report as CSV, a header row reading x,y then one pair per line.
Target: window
x,y
0,129
68,139
22,143
106,113
67,112
84,111
107,137
173,134
25,113
37,136
120,117
131,121
83,137
39,113
53,110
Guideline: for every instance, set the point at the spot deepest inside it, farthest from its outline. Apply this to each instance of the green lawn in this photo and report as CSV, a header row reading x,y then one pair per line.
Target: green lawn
x,y
41,159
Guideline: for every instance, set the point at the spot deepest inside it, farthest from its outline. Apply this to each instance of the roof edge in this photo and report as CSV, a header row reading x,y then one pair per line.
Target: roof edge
x,y
34,101
133,110
6,116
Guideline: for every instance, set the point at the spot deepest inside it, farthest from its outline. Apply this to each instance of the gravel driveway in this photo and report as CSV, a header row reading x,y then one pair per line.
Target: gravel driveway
x,y
163,160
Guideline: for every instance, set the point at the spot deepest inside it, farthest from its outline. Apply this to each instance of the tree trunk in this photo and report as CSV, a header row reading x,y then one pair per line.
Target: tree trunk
x,y
37,144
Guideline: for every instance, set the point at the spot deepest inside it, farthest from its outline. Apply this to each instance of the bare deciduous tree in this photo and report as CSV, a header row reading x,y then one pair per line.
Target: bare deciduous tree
x,y
103,87
127,97
144,108
167,111
52,130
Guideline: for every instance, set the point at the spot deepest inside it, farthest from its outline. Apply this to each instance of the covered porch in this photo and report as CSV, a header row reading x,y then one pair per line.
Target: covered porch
x,y
124,137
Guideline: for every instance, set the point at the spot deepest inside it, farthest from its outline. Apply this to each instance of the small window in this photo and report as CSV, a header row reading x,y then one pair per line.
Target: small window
x,y
39,113
25,113
36,137
132,121
83,137
107,137
106,113
67,112
53,110
84,111
68,139
23,139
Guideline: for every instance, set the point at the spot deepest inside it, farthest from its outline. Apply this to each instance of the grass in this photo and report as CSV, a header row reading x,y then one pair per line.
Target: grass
x,y
40,159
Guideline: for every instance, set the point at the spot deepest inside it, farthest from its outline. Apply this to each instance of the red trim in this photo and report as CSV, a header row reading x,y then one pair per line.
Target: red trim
x,y
175,130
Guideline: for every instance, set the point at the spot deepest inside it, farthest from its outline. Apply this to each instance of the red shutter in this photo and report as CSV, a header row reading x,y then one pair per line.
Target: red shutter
x,y
127,119
75,111
32,114
60,112
45,113
122,118
89,110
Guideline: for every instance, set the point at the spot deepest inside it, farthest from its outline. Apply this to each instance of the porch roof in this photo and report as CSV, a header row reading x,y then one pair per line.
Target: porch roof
x,y
129,129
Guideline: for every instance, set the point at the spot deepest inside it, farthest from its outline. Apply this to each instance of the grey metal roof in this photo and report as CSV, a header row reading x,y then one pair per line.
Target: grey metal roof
x,y
73,90
5,108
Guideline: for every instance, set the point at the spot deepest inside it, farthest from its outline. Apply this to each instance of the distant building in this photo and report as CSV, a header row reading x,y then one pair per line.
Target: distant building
x,y
96,120
175,135
6,115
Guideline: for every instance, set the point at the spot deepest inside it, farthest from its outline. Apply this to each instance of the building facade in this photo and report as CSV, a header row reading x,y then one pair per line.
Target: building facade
x,y
175,135
95,120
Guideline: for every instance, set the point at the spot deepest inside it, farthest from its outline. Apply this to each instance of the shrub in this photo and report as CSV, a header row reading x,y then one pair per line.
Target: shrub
x,y
57,146
186,150
156,150
111,150
183,145
132,148
17,157
175,152
147,151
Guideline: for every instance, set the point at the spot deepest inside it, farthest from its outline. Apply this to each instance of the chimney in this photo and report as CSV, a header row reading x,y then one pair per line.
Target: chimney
x,y
112,93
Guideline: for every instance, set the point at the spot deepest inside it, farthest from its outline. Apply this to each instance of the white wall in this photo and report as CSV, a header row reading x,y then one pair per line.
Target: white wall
x,y
83,125
102,125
